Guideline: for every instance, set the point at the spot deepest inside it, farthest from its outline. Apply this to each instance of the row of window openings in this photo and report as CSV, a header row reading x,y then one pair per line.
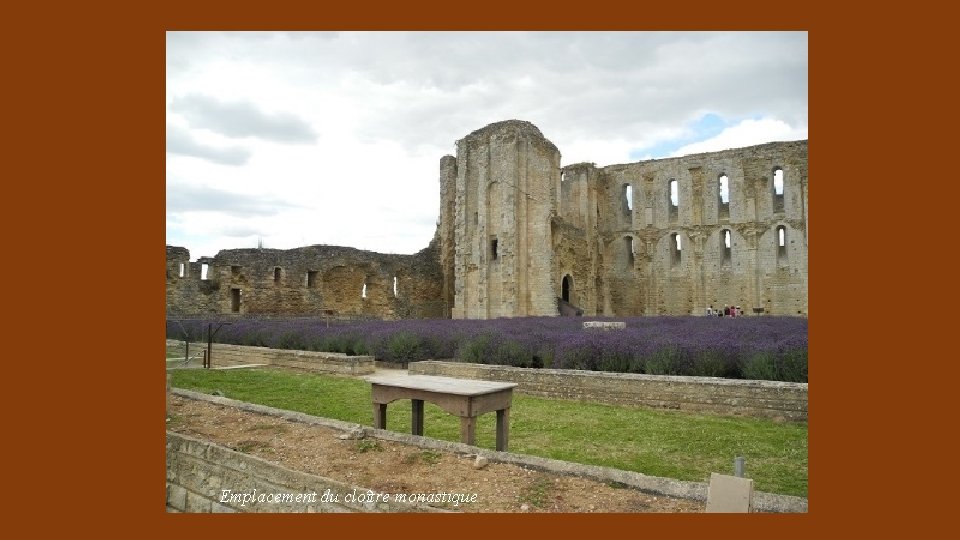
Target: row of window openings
x,y
676,247
724,182
311,277
312,283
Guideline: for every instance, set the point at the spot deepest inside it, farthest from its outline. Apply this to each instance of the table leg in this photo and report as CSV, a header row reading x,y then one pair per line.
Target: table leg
x,y
416,420
468,430
503,429
380,415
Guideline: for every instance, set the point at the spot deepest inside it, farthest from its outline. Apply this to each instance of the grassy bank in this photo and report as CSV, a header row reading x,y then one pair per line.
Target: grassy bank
x,y
672,444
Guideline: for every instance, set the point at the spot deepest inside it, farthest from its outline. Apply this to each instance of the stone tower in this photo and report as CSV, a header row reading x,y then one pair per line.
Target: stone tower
x,y
499,199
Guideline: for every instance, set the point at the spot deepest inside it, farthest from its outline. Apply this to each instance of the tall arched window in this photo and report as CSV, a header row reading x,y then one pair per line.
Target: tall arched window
x,y
628,245
723,203
781,243
674,206
778,189
627,198
725,246
676,249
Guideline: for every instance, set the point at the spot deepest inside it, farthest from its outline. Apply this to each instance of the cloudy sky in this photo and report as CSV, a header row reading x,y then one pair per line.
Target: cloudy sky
x,y
292,139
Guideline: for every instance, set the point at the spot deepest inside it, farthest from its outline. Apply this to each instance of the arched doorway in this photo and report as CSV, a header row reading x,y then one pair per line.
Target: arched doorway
x,y
566,287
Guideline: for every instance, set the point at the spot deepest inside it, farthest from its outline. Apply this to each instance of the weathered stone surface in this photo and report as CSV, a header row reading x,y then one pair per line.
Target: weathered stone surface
x,y
226,355
189,490
315,280
729,494
765,399
515,227
605,325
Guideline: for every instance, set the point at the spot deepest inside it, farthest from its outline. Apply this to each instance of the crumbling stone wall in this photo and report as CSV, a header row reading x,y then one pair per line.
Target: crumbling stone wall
x,y
312,280
760,399
514,227
754,273
186,292
506,192
613,231
199,471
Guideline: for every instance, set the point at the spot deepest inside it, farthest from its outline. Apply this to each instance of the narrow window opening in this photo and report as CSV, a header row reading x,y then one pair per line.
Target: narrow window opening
x,y
629,246
204,271
394,286
363,292
724,205
182,271
235,300
276,274
674,199
311,279
778,190
726,247
565,288
493,249
781,243
627,198
235,270
676,248
476,218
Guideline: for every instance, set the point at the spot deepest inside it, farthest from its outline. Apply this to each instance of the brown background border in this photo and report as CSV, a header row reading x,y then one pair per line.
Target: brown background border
x,y
86,213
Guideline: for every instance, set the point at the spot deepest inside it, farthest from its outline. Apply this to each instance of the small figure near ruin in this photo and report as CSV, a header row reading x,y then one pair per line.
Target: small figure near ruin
x,y
726,311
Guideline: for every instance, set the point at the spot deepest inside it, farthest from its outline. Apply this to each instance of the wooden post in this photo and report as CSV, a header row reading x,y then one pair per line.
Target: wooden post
x,y
468,430
380,415
416,420
503,429
209,345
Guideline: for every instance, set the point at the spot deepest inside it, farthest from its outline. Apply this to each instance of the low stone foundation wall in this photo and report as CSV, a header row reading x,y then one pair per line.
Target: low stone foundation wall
x,y
206,477
765,399
763,502
325,362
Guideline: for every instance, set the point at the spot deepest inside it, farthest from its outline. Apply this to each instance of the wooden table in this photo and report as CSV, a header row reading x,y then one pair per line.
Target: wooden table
x,y
465,398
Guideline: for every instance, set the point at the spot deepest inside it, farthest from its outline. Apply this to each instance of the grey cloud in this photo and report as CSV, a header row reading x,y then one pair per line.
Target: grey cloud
x,y
185,197
179,141
599,82
431,88
242,119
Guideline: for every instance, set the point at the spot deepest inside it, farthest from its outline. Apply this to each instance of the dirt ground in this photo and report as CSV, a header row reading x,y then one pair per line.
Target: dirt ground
x,y
390,467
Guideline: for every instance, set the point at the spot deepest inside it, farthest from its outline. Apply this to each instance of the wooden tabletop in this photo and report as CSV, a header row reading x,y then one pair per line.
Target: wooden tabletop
x,y
445,385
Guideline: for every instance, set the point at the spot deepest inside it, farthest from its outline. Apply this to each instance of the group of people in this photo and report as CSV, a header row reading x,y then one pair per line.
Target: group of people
x,y
727,311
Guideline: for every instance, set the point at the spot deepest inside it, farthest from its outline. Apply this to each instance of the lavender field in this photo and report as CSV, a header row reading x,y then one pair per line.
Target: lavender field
x,y
767,348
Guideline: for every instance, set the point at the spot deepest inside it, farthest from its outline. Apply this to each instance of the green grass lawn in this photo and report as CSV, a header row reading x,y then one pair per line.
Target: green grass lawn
x,y
672,444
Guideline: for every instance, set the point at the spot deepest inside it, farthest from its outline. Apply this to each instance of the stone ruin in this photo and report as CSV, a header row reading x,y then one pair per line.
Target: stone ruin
x,y
519,235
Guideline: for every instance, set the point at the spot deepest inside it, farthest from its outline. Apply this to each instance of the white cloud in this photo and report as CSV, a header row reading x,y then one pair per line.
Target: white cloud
x,y
746,133
301,138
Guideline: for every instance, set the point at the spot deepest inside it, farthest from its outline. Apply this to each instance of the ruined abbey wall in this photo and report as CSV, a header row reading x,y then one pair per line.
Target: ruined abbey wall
x,y
638,267
505,182
312,280
612,241
518,233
